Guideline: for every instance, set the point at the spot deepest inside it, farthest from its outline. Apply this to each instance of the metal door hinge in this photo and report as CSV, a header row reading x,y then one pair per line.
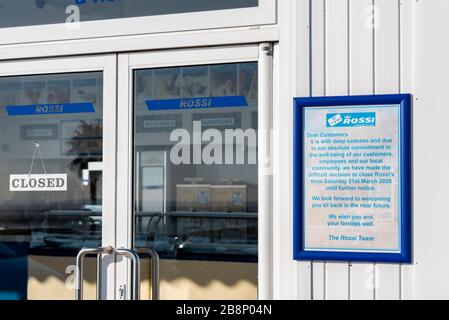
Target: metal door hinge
x,y
268,49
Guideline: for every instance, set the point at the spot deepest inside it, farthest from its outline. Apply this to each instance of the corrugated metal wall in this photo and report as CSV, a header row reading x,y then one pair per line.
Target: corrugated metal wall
x,y
350,47
356,48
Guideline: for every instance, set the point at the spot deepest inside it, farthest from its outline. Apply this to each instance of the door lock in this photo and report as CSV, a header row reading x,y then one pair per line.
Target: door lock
x,y
122,292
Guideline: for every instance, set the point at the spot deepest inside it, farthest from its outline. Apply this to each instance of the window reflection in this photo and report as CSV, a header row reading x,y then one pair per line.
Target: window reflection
x,y
203,205
69,143
62,114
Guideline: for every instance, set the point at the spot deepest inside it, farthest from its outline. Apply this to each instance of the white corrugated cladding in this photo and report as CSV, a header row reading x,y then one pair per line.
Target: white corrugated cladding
x,y
327,47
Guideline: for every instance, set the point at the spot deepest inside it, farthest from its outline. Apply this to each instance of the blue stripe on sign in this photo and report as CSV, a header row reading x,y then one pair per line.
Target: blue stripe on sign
x,y
46,109
197,103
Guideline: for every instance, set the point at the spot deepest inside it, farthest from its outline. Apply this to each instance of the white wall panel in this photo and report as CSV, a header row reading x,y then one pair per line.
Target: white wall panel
x,y
318,47
292,280
318,280
318,83
361,277
300,15
361,46
337,79
361,81
407,57
337,281
387,80
356,47
284,268
386,46
431,174
336,15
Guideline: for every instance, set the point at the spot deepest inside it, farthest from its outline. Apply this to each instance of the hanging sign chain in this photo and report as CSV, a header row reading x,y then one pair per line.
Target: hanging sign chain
x,y
37,148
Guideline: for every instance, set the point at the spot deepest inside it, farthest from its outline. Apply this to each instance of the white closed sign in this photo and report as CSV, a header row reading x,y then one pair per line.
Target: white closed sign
x,y
37,182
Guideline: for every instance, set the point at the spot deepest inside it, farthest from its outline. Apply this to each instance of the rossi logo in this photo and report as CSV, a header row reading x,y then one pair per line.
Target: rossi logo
x,y
360,119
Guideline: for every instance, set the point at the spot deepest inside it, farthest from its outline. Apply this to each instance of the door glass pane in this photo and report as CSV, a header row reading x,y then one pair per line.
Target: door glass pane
x,y
195,173
38,12
50,182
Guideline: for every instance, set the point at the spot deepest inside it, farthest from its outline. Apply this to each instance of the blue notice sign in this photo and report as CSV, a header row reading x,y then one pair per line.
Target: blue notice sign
x,y
352,178
197,103
48,109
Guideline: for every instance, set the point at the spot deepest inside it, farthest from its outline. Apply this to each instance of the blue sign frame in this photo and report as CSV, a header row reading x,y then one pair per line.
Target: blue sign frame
x,y
405,167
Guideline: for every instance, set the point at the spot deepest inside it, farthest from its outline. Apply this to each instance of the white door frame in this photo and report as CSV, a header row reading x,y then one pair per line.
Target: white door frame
x,y
127,63
263,14
108,65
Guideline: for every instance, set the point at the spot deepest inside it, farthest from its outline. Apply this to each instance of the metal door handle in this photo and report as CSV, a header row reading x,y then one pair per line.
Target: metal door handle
x,y
154,256
135,262
133,255
79,269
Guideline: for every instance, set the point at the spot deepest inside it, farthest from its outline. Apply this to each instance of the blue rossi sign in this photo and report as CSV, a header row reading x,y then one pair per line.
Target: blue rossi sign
x,y
197,103
352,178
46,109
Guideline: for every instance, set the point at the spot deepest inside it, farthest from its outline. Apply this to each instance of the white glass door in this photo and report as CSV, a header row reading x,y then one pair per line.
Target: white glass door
x,y
57,175
191,129
158,190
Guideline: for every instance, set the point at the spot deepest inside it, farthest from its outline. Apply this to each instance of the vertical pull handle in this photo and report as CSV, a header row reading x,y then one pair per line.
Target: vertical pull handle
x,y
79,270
135,262
154,256
127,253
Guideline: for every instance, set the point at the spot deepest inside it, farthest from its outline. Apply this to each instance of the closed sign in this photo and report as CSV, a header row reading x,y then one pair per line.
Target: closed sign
x,y
37,182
